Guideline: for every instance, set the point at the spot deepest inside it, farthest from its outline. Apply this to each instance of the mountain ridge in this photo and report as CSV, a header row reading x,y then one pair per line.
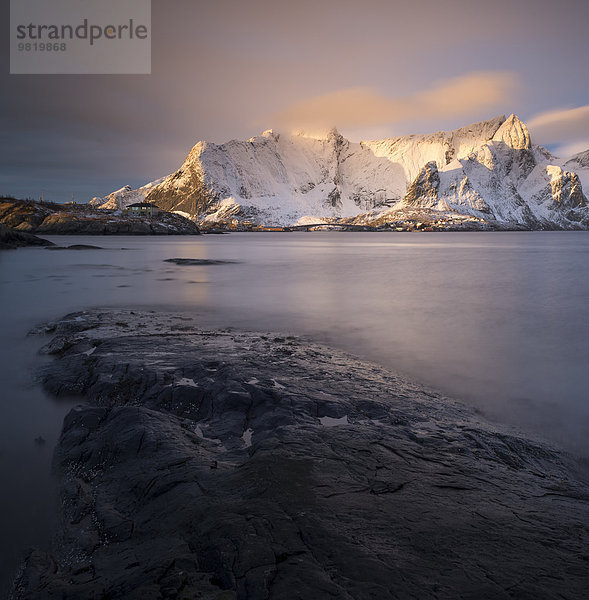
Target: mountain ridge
x,y
489,170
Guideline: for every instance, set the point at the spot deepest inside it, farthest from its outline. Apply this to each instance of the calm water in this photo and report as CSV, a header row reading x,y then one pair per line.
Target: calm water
x,y
500,320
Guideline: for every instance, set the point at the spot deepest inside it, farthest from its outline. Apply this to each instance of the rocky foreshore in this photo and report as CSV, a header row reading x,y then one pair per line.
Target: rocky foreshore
x,y
223,464
10,239
82,219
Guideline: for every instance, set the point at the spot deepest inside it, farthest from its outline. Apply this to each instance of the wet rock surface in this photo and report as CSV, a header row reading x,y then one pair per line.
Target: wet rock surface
x,y
223,464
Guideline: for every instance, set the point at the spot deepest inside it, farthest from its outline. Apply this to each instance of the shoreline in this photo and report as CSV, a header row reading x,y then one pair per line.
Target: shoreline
x,y
249,464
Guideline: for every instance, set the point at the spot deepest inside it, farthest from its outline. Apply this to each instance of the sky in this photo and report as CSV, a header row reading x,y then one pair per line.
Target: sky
x,y
229,69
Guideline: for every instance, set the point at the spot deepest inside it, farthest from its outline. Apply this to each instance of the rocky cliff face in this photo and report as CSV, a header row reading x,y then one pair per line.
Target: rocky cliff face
x,y
184,190
578,164
565,188
423,192
489,170
513,133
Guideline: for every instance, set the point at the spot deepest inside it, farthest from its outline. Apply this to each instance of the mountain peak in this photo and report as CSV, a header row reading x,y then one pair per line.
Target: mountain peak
x,y
323,134
488,170
270,133
513,133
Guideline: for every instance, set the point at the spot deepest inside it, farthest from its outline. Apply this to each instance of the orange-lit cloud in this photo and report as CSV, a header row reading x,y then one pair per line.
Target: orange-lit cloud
x,y
569,128
367,107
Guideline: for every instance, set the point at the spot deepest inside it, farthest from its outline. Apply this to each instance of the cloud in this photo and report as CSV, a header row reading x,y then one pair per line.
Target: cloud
x,y
566,128
367,107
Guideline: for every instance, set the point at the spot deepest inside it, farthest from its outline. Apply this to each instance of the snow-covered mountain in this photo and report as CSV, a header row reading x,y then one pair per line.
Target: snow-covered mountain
x,y
505,179
489,170
580,165
125,196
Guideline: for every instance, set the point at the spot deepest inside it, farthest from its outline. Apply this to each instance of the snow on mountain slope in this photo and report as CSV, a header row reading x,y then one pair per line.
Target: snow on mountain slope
x,y
505,179
125,196
580,165
279,178
412,152
489,170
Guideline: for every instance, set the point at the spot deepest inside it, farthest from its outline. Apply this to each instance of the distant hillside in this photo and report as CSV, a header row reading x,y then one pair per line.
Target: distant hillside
x,y
55,219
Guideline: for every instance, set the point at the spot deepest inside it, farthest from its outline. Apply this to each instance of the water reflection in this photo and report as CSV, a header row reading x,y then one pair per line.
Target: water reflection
x,y
500,320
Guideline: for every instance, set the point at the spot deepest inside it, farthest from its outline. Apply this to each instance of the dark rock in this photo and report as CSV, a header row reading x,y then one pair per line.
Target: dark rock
x,y
76,247
423,191
199,261
334,478
57,345
10,238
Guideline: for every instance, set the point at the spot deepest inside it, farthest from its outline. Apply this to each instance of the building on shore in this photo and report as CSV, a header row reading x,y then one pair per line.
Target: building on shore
x,y
142,208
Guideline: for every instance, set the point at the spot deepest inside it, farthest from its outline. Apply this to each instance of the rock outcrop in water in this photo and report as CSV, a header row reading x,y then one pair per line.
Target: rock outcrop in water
x,y
10,238
220,464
